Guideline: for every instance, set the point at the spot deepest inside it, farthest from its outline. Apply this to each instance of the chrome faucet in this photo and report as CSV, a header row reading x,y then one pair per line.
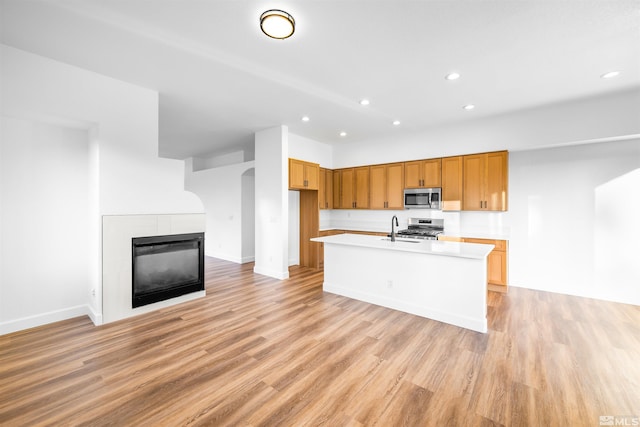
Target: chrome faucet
x,y
393,230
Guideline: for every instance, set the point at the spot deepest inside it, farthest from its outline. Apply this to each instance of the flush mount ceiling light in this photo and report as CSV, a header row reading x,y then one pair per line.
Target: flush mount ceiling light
x,y
364,102
452,76
469,107
396,122
610,75
305,118
343,134
277,24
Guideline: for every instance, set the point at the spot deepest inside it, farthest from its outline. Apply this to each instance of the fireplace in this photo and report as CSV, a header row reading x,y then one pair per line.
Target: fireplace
x,y
166,267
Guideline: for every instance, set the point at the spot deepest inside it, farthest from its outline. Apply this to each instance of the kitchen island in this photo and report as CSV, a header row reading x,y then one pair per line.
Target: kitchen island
x,y
444,281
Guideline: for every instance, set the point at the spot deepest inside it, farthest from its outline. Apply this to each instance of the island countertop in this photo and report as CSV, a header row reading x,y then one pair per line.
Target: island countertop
x,y
431,247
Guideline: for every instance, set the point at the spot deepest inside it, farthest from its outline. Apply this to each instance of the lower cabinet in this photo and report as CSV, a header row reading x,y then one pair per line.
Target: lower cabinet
x,y
497,260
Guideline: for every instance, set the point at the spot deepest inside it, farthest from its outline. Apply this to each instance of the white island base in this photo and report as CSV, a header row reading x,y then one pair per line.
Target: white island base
x,y
444,281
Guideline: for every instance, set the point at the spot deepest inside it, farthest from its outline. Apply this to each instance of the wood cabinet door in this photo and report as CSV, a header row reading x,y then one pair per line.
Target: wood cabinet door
x,y
497,268
395,186
322,189
413,174
496,260
311,176
452,183
431,175
496,181
337,189
328,189
346,188
362,187
378,186
473,182
296,174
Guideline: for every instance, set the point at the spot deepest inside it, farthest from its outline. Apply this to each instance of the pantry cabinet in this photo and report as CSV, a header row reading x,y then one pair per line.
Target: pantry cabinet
x,y
303,175
422,173
485,181
386,186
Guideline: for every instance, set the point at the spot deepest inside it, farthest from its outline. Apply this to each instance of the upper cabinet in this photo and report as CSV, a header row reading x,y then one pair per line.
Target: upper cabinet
x,y
476,182
352,185
422,173
485,182
386,185
452,183
325,189
303,175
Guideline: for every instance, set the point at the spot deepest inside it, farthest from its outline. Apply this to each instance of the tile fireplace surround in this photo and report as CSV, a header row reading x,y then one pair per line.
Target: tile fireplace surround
x,y
117,232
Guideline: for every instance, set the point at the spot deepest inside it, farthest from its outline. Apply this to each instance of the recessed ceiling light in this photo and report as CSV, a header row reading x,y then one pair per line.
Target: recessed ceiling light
x,y
364,102
305,119
610,75
469,107
343,133
396,122
452,76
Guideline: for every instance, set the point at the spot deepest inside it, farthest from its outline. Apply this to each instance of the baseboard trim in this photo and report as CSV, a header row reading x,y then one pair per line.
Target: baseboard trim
x,y
43,319
95,317
237,260
281,275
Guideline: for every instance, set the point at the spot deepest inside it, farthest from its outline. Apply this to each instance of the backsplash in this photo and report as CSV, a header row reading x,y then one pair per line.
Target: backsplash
x,y
477,223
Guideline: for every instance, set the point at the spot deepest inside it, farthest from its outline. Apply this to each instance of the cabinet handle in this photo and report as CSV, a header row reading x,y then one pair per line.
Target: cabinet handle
x,y
480,204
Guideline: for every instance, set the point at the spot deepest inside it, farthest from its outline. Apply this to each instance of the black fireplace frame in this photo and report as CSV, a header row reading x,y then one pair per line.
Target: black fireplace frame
x,y
138,300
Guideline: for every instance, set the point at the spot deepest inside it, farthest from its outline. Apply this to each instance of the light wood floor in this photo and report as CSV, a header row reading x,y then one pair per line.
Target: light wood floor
x,y
257,351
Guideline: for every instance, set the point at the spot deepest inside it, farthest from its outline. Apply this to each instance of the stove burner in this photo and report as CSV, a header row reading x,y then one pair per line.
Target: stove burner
x,y
420,228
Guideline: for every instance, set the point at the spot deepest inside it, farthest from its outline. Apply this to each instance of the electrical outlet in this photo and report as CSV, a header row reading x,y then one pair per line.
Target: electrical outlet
x,y
389,284
93,292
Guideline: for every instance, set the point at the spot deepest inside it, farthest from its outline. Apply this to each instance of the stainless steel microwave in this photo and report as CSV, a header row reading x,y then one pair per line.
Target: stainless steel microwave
x,y
423,198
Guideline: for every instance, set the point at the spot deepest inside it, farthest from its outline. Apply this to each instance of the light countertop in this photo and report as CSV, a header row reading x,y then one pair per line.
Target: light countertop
x,y
429,247
485,233
488,233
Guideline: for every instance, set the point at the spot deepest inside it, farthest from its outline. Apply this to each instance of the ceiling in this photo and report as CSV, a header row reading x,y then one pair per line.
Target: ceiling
x,y
220,79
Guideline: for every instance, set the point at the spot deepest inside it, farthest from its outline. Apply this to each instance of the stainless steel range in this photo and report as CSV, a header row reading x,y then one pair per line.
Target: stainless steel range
x,y
421,228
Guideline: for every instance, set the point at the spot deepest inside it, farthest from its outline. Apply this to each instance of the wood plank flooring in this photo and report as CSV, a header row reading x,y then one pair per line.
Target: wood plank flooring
x,y
262,352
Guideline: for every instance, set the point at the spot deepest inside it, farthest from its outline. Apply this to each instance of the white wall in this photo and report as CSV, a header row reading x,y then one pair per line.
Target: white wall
x,y
227,193
574,220
248,212
125,173
310,150
44,221
272,210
